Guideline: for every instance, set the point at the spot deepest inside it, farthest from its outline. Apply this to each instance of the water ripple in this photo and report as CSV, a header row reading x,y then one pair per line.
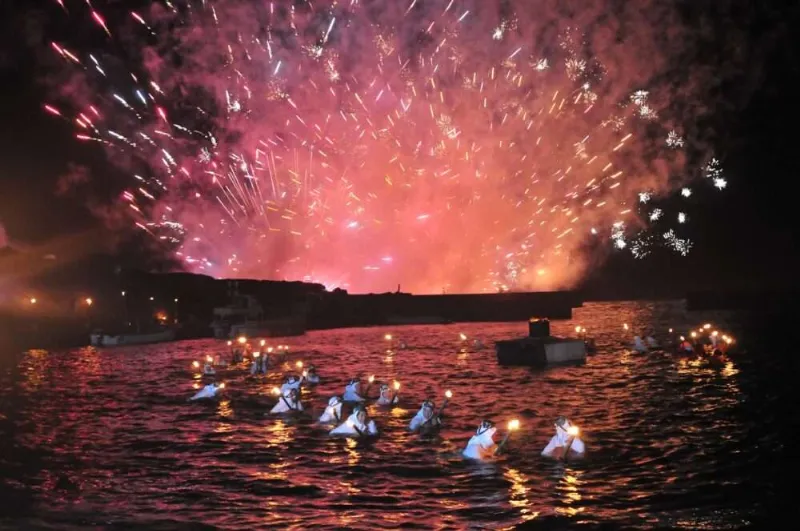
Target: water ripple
x,y
107,438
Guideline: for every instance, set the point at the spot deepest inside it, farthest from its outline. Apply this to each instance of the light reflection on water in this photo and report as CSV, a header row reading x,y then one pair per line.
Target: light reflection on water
x,y
108,436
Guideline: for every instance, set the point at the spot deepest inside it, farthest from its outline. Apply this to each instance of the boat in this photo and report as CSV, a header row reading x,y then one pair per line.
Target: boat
x,y
539,348
99,339
244,316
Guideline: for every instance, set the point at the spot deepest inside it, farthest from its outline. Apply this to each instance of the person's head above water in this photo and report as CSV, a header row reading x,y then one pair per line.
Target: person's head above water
x,y
334,401
562,423
486,429
427,409
361,414
291,379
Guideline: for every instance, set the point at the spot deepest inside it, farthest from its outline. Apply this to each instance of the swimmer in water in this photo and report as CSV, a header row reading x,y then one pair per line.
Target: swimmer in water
x,y
209,391
332,413
482,446
357,425
208,370
565,444
387,398
638,345
311,375
292,382
425,419
352,391
289,402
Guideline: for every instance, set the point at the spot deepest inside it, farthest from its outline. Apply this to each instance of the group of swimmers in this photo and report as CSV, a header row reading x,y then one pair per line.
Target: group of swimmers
x,y
565,444
703,340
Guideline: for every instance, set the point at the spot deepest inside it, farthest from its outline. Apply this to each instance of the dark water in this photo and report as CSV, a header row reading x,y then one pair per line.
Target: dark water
x,y
105,438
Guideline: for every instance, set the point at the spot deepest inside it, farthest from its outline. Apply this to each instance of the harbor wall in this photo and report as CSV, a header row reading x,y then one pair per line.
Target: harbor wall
x,y
124,301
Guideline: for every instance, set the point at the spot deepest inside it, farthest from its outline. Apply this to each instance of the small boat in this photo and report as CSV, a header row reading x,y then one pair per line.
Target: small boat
x,y
100,339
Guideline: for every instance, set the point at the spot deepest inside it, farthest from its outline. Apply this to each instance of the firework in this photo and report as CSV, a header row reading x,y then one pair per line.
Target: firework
x,y
439,144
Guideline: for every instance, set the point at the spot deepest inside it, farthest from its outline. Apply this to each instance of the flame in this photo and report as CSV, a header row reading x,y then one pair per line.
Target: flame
x,y
448,393
256,354
371,378
196,364
396,385
573,431
263,342
388,337
513,425
222,385
462,336
242,340
276,391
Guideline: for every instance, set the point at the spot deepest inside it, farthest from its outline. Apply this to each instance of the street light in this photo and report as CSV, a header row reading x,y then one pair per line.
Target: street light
x,y
123,293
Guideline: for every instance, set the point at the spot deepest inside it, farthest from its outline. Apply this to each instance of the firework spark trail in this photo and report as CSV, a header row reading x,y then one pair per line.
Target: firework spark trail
x,y
436,144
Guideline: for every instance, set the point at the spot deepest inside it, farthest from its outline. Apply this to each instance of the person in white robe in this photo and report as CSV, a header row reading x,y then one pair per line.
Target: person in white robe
x,y
482,446
357,425
426,418
565,443
333,412
352,392
387,397
209,391
288,402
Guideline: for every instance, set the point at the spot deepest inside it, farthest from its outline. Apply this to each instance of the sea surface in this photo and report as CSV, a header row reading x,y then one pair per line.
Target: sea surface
x,y
105,438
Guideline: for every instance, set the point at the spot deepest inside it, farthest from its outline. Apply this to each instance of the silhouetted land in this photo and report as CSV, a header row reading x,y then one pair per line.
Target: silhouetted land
x,y
62,315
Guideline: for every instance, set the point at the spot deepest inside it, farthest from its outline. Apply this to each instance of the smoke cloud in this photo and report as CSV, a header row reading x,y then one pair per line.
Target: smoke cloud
x,y
462,145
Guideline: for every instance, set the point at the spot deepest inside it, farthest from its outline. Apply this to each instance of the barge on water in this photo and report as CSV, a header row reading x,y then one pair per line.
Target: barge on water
x,y
540,348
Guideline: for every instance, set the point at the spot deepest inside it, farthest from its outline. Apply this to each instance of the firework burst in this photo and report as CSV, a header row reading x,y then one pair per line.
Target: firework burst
x,y
440,145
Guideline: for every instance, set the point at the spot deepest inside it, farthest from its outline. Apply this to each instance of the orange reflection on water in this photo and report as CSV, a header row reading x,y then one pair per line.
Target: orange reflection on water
x,y
353,455
568,489
224,410
518,494
278,433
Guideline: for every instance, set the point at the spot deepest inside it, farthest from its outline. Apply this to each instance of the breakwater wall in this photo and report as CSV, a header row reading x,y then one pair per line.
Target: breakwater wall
x,y
401,308
61,310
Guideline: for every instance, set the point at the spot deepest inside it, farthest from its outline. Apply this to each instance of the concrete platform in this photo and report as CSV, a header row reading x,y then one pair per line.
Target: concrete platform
x,y
540,351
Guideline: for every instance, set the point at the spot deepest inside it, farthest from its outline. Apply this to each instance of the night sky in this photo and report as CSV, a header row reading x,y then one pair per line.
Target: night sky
x,y
745,236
